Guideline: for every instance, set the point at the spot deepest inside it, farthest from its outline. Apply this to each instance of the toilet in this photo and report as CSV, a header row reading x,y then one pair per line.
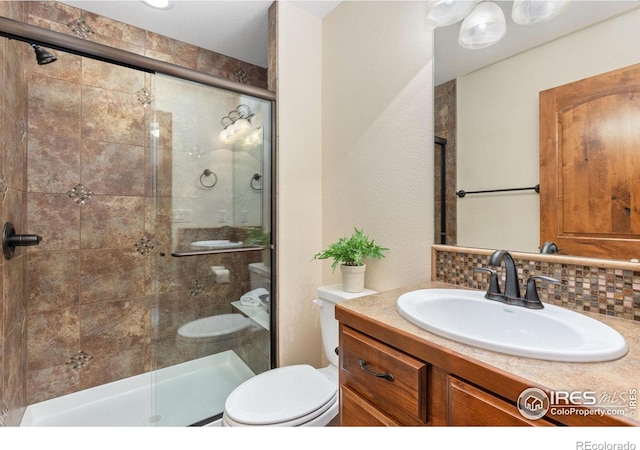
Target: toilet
x,y
297,395
213,334
260,276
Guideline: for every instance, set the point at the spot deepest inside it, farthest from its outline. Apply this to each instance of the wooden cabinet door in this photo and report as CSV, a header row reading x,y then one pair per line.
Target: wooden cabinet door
x,y
470,406
590,165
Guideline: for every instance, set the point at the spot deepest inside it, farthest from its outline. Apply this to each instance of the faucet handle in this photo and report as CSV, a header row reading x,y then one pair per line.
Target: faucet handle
x,y
531,294
494,287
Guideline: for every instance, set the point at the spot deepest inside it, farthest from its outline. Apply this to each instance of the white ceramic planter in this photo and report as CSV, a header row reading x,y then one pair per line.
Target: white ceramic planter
x,y
353,278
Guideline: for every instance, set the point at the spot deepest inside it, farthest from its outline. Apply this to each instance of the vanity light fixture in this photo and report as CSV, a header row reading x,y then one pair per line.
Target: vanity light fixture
x,y
483,22
447,12
159,4
236,124
482,28
527,12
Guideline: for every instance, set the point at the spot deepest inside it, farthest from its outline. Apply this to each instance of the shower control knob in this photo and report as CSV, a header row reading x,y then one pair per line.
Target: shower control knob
x,y
11,240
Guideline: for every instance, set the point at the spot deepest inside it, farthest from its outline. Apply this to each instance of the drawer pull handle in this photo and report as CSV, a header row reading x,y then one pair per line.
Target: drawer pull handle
x,y
363,366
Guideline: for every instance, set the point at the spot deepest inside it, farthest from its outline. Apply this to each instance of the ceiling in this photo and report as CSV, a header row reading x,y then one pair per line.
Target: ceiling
x,y
452,61
233,28
238,28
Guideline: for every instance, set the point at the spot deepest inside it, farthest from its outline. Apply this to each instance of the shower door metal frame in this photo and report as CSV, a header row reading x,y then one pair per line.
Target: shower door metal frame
x,y
21,31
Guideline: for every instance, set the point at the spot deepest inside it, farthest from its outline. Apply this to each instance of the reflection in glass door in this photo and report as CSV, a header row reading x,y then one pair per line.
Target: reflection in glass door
x,y
211,317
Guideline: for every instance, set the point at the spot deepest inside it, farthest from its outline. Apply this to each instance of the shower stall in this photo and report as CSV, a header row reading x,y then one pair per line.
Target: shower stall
x,y
148,299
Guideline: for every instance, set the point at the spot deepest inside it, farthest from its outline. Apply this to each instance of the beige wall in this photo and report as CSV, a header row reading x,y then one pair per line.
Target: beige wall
x,y
377,119
299,184
498,128
362,157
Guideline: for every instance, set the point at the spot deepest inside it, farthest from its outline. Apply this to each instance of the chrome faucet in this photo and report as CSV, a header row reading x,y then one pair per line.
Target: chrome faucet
x,y
511,295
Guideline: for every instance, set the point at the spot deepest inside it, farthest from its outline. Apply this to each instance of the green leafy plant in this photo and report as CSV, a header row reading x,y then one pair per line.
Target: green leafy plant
x,y
352,250
256,236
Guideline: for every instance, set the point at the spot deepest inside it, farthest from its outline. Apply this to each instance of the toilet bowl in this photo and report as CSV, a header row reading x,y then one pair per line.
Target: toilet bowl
x,y
213,334
297,395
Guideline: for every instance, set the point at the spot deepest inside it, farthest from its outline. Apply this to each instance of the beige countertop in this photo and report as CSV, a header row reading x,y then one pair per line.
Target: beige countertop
x,y
613,378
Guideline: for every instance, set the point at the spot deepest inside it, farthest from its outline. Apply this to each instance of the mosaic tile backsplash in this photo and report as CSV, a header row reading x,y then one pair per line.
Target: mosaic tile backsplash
x,y
591,285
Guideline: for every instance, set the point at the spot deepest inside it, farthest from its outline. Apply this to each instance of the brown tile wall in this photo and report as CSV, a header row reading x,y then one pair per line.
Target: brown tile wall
x,y
597,286
65,19
14,55
272,48
100,296
445,127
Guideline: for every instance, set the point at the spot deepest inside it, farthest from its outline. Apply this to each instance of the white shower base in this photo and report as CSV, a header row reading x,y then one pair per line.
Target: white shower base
x,y
178,395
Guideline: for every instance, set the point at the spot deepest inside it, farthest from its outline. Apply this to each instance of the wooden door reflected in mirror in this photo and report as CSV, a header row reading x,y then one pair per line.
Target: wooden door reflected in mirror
x,y
590,165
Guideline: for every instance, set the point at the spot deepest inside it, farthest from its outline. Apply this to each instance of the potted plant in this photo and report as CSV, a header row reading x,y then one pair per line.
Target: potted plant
x,y
257,236
349,253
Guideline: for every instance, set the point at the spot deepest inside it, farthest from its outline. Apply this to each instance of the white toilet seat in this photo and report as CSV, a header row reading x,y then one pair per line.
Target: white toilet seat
x,y
287,396
320,417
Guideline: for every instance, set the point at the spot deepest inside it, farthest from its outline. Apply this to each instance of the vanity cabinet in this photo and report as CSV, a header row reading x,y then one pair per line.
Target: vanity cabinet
x,y
389,379
383,386
392,372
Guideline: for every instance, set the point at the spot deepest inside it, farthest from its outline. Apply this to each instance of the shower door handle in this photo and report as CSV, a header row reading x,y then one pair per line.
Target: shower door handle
x,y
251,248
11,240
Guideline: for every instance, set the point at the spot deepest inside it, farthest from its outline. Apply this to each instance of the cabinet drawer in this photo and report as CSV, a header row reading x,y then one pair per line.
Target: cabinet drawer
x,y
356,412
391,381
470,406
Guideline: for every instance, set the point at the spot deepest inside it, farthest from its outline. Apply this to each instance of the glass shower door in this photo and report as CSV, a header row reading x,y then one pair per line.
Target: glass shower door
x,y
211,277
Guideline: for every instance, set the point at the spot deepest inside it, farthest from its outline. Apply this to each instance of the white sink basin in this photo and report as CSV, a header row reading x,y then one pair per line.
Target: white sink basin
x,y
216,243
552,333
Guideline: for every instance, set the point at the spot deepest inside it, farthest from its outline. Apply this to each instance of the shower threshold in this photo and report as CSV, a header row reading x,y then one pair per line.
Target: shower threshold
x,y
178,395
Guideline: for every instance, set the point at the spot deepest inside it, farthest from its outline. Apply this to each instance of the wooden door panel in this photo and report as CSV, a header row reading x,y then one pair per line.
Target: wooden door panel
x,y
600,166
590,165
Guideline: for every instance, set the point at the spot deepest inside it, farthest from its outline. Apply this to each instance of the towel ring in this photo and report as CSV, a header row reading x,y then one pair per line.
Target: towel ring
x,y
208,173
256,177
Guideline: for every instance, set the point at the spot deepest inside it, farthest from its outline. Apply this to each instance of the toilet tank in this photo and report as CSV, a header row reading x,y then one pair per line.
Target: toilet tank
x,y
260,276
328,297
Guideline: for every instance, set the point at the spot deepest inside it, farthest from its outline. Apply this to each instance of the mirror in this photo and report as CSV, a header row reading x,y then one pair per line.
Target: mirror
x,y
494,134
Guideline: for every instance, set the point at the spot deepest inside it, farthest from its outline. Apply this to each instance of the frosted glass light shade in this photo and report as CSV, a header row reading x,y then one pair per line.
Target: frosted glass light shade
x,y
446,12
485,26
527,12
241,126
160,4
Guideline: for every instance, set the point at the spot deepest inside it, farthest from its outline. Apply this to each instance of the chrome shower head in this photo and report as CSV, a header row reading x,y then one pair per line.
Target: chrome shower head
x,y
43,56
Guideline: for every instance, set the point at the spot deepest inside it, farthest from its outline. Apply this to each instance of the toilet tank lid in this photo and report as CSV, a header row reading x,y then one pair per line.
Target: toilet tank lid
x,y
259,268
334,293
